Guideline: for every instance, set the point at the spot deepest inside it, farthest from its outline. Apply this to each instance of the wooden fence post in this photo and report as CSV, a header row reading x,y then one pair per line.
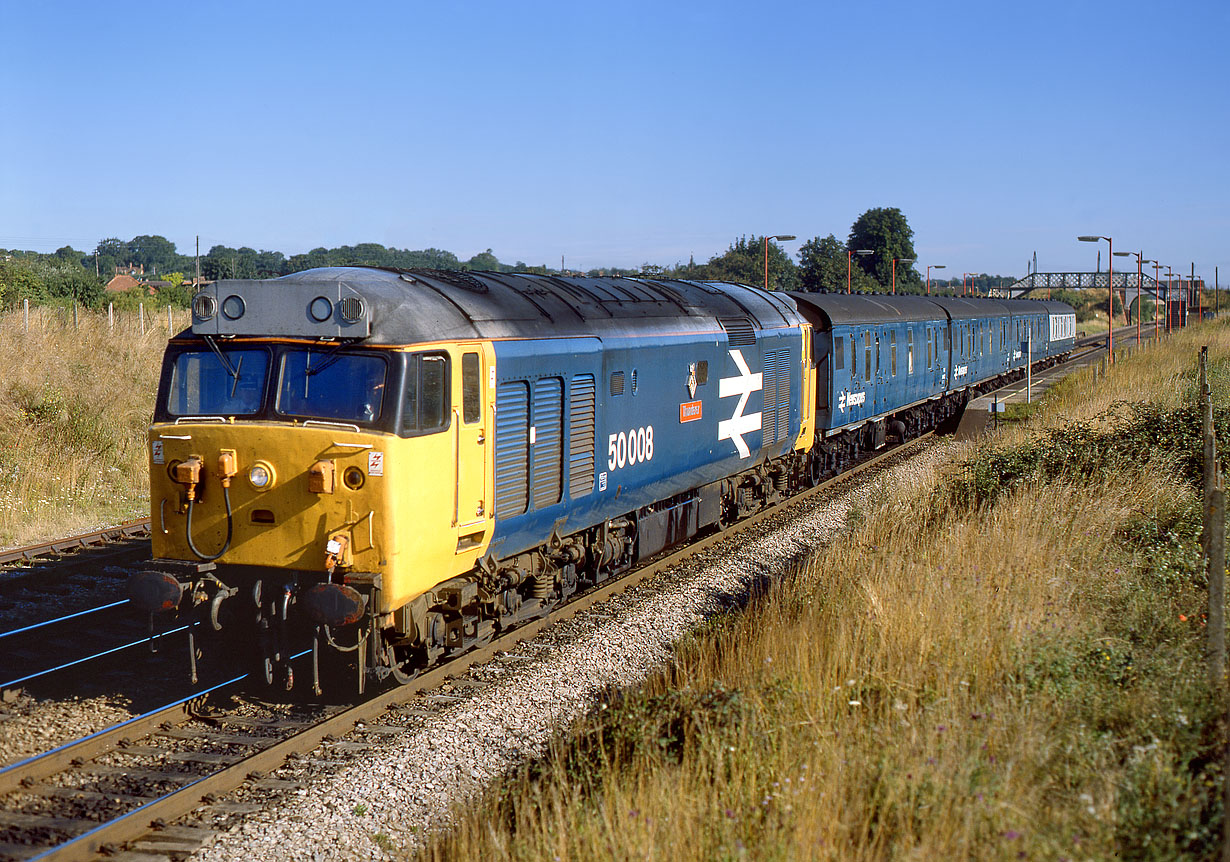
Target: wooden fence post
x,y
1215,528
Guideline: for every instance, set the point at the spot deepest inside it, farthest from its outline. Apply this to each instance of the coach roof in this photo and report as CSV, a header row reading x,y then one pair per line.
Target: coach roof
x,y
843,309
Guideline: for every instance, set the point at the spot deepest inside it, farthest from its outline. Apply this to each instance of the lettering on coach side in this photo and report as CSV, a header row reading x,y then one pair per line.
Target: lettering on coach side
x,y
690,411
744,385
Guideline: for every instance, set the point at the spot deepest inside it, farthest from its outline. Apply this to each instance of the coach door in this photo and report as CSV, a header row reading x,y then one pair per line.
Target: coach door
x,y
472,442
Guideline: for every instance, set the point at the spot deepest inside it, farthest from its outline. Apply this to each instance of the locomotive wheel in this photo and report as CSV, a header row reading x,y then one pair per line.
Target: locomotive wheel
x,y
815,471
402,672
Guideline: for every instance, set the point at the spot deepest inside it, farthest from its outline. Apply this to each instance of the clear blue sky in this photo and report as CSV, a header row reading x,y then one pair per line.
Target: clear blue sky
x,y
621,133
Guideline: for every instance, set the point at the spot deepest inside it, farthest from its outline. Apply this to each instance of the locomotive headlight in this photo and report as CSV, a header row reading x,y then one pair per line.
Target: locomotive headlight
x,y
261,476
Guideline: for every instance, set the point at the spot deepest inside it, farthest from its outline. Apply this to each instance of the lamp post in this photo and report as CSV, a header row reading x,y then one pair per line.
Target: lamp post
x,y
897,260
1199,301
964,276
1110,290
1157,321
1169,291
1140,262
930,267
783,237
850,253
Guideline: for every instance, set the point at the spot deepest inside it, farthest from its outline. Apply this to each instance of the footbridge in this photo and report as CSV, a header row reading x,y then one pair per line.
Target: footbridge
x,y
1178,294
1124,283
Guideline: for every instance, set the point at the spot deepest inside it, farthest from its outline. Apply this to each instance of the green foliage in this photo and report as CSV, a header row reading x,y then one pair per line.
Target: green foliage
x,y
373,254
744,262
823,264
627,725
1082,451
47,278
66,423
887,233
155,253
484,261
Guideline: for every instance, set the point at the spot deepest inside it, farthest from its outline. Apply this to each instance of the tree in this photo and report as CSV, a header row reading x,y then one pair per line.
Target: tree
x,y
155,253
887,233
744,262
110,253
484,261
822,264
70,256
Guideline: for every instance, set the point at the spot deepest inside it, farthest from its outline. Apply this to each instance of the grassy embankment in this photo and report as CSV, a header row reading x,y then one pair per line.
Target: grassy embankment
x,y
75,404
1002,663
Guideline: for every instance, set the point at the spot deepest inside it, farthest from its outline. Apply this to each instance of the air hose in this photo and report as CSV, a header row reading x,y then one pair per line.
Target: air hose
x,y
226,495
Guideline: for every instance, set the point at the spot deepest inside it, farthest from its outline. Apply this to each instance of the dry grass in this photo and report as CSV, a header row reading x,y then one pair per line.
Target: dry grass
x,y
1020,680
75,403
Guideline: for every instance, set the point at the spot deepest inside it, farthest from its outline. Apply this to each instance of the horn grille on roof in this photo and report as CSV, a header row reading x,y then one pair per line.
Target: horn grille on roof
x,y
350,308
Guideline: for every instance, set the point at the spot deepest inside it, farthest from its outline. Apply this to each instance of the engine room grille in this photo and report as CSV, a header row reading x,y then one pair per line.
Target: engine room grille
x,y
581,436
512,449
548,445
739,331
775,416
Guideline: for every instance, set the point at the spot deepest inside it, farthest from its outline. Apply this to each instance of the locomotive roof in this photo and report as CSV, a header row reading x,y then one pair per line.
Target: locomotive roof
x,y
393,307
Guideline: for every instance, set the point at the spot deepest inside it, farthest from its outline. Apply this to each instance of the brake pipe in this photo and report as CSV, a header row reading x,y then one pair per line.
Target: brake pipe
x,y
226,495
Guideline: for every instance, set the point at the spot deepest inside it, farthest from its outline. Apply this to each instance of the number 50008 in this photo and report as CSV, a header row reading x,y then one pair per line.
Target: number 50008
x,y
629,447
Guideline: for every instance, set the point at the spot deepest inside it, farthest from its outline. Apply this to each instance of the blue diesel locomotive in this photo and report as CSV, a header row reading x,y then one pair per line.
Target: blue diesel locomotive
x,y
397,465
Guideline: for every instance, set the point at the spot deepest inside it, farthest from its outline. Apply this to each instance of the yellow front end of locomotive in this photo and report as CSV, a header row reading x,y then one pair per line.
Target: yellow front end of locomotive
x,y
315,497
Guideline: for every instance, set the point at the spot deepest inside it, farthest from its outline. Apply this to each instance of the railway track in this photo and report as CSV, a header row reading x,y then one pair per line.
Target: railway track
x,y
129,781
95,794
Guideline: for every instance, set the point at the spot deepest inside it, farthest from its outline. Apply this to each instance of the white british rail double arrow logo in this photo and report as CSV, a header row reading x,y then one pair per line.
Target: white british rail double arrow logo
x,y
744,385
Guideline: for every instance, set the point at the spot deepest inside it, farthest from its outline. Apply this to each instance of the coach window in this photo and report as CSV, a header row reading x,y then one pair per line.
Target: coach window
x,y
839,354
909,364
854,356
425,402
867,355
471,388
892,352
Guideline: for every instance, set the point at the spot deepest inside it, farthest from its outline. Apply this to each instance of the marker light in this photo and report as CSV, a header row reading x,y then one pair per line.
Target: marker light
x,y
261,476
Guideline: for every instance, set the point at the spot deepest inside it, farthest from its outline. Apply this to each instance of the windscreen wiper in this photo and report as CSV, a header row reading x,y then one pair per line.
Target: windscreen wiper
x,y
234,372
329,358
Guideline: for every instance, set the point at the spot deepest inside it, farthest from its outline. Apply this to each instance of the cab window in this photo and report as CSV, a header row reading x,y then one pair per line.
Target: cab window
x,y
425,401
201,385
325,384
